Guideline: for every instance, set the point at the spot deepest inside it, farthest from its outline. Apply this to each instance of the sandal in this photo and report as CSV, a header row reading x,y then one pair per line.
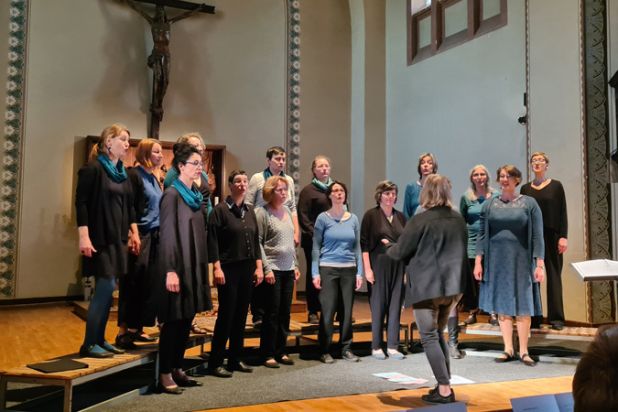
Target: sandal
x,y
506,357
527,359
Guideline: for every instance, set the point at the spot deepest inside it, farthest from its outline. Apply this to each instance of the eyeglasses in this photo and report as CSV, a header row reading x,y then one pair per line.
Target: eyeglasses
x,y
195,163
538,161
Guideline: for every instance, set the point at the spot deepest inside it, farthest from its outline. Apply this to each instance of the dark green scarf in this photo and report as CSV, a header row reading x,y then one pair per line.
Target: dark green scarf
x,y
320,185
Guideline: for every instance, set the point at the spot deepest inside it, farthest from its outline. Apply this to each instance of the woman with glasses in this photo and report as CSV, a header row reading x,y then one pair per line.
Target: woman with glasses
x,y
184,288
276,238
337,269
549,194
510,263
201,183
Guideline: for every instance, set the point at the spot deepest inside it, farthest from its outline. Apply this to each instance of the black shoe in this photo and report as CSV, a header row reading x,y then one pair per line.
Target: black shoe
x,y
125,341
493,320
257,324
239,366
326,358
172,390
140,336
434,397
220,372
313,319
349,356
557,325
271,363
285,359
188,383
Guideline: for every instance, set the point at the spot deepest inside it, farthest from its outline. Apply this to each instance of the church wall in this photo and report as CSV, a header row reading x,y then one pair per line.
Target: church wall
x,y
555,118
463,105
87,69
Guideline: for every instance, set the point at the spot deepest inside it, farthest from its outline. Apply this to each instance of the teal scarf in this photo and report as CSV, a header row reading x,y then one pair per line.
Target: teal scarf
x,y
192,197
267,173
320,185
115,172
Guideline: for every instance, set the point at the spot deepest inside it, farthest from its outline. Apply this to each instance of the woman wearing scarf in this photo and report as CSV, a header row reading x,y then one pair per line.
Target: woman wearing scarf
x,y
184,259
311,202
105,215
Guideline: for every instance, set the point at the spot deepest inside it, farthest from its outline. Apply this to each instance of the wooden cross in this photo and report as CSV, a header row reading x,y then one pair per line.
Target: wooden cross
x,y
159,59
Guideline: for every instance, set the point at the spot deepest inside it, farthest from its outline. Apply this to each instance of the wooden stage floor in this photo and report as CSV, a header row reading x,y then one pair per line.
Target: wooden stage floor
x,y
32,333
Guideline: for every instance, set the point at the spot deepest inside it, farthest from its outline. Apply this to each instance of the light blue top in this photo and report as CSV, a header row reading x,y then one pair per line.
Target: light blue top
x,y
412,199
471,211
336,243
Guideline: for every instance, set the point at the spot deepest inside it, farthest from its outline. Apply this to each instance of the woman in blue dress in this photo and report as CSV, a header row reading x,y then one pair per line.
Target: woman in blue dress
x,y
510,261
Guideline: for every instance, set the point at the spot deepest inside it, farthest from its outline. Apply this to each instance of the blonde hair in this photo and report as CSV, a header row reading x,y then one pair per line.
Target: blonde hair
x,y
471,192
143,151
270,185
436,192
108,133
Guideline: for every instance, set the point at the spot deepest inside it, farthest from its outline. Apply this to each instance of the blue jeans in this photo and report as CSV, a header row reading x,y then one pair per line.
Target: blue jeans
x,y
98,311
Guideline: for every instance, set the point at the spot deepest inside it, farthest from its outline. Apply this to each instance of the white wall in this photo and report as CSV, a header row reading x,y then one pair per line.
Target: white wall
x,y
461,105
87,69
556,124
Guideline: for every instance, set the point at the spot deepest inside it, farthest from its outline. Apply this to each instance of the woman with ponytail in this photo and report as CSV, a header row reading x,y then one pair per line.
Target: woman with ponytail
x,y
105,220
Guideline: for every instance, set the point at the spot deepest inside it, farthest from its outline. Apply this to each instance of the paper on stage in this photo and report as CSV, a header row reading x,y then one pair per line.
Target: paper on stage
x,y
397,377
597,269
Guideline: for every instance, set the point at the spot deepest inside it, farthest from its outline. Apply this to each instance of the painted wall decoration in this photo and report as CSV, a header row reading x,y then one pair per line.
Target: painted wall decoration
x,y
10,151
293,90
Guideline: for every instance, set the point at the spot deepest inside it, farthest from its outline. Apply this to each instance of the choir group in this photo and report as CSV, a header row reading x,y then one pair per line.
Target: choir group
x,y
156,235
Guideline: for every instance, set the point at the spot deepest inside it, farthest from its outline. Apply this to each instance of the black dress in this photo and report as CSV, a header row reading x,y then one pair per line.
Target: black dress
x,y
311,202
106,207
552,201
183,249
386,294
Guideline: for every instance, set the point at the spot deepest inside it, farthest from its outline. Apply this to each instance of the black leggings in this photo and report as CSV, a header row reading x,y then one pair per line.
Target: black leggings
x,y
172,344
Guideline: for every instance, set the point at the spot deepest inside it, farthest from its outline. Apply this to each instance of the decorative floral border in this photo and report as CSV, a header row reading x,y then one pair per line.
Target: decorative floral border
x,y
293,90
10,152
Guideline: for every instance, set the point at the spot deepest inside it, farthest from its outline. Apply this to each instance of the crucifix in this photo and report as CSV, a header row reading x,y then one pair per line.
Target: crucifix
x,y
159,59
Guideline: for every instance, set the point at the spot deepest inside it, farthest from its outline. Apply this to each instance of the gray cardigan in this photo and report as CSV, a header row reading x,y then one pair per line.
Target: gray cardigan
x,y
434,247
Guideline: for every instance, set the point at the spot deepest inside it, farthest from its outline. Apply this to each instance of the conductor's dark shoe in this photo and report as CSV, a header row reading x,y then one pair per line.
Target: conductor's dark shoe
x,y
434,397
493,320
240,367
557,325
313,319
125,341
349,356
326,358
220,372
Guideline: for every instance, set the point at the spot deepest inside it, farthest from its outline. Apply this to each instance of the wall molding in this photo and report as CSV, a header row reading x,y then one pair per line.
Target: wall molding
x,y
600,295
292,126
11,150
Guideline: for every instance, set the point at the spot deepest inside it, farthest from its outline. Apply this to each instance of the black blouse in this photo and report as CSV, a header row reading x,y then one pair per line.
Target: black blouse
x,y
375,227
311,202
233,233
552,201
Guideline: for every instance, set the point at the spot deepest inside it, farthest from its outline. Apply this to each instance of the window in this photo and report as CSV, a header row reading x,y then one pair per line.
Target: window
x,y
436,26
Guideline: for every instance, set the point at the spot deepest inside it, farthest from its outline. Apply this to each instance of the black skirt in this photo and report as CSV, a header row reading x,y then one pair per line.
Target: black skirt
x,y
108,262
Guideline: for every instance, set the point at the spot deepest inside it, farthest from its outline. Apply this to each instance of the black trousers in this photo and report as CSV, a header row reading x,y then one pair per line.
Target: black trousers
x,y
136,300
385,302
311,293
553,268
337,283
234,297
258,298
276,321
470,299
172,344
